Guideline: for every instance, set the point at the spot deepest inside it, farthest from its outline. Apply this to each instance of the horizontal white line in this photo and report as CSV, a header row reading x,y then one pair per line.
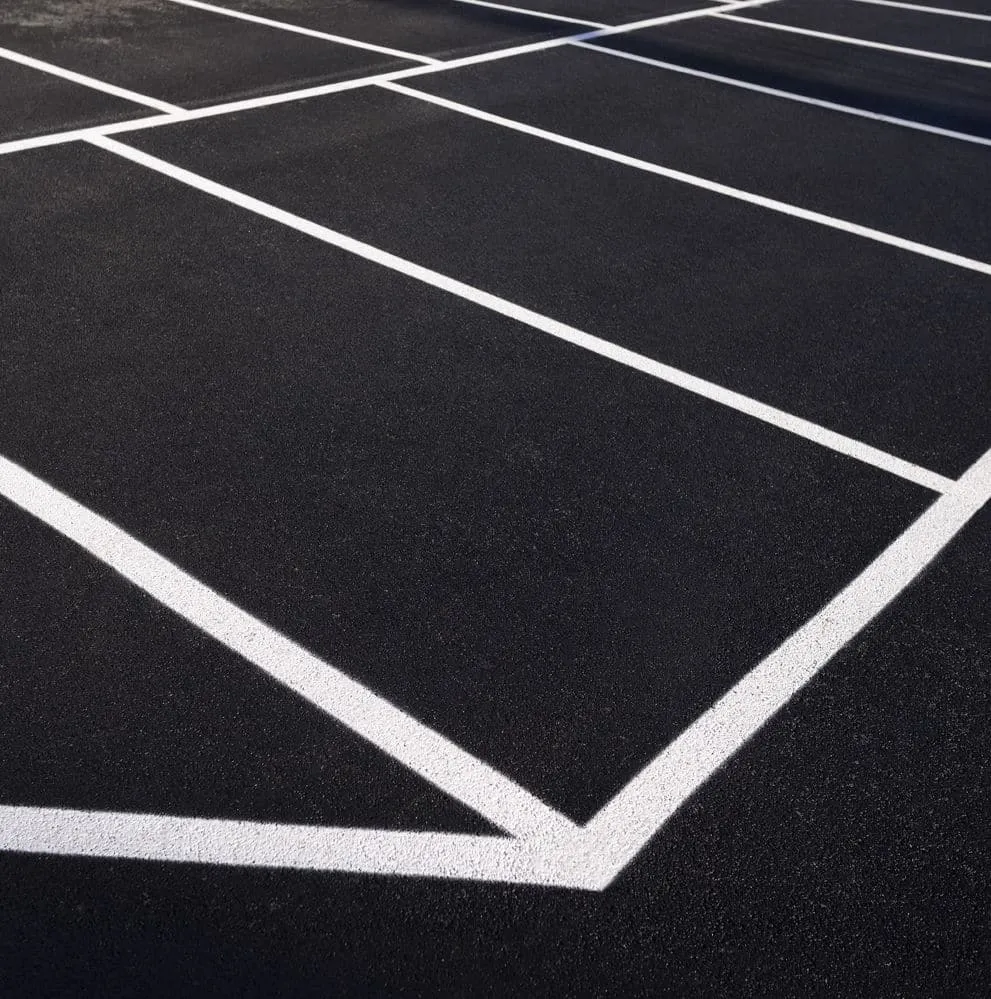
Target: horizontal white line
x,y
787,95
181,839
87,81
918,8
77,134
783,207
308,32
664,372
850,40
622,828
542,15
425,752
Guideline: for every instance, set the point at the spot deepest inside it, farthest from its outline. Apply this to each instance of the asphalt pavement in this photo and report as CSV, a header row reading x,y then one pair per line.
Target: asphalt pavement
x,y
493,499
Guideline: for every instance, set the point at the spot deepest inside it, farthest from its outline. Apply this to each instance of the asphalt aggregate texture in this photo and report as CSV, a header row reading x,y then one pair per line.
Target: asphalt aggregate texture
x,y
552,559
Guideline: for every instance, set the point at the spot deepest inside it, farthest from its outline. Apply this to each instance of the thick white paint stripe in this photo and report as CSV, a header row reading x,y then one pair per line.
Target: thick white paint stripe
x,y
76,134
87,81
72,832
709,390
543,15
773,204
623,827
918,8
788,95
851,40
309,32
422,750
270,100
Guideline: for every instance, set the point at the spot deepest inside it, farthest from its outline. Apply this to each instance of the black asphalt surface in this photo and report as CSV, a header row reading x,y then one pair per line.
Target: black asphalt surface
x,y
554,560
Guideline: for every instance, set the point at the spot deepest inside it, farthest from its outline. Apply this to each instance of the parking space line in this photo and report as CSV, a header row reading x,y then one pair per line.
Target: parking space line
x,y
233,842
543,15
419,748
175,114
308,32
786,95
851,40
88,81
782,207
623,827
586,341
918,8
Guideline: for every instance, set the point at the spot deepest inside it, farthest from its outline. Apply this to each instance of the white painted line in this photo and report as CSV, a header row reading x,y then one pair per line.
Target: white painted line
x,y
181,839
269,100
686,15
782,207
709,390
87,81
588,857
418,747
787,95
263,101
918,8
850,40
541,14
308,32
77,134
624,826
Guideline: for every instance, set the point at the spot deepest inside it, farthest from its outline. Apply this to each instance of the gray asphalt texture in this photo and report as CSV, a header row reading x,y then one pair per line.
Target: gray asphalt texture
x,y
554,560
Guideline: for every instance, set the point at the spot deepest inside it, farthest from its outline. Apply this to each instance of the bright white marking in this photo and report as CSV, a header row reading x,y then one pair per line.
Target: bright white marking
x,y
716,393
783,207
543,15
587,857
87,81
309,32
268,100
72,832
653,22
76,134
424,751
918,126
624,826
850,40
918,8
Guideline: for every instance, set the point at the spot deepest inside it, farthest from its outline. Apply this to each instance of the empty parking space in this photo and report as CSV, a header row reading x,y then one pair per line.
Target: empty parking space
x,y
139,46
893,354
930,35
945,95
896,178
430,497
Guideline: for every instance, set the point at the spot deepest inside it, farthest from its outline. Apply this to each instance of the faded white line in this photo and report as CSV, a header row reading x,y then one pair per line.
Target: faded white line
x,y
851,40
783,207
623,827
541,14
418,747
181,839
308,32
586,341
919,9
87,81
788,95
